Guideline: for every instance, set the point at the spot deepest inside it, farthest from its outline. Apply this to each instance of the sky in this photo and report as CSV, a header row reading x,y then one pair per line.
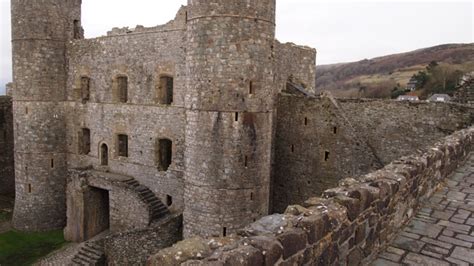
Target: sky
x,y
340,30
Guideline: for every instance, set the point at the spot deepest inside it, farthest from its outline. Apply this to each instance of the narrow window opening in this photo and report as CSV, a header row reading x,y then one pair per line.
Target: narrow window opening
x,y
165,90
251,88
77,29
29,188
169,200
236,117
85,141
52,163
224,231
122,86
292,148
123,145
334,130
246,160
85,89
305,121
164,154
251,196
326,156
186,17
104,155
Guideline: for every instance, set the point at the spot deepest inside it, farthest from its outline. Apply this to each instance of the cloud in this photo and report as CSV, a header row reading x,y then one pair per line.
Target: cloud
x,y
341,30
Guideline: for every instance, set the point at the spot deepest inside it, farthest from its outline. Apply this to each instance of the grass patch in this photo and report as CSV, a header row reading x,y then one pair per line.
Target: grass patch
x,y
19,248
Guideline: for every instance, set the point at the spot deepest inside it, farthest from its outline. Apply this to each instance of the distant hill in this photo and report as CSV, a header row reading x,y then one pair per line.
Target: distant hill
x,y
376,77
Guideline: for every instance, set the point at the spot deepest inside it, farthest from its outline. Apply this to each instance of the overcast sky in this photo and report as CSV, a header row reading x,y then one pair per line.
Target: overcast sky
x,y
341,30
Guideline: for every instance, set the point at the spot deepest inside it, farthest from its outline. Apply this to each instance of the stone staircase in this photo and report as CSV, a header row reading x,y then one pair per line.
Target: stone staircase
x,y
157,209
90,253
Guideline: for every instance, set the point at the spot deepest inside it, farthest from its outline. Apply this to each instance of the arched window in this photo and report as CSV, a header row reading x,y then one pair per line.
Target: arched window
x,y
104,154
165,90
164,154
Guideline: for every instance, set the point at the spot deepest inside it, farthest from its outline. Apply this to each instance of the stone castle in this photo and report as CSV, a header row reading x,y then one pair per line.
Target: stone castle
x,y
198,127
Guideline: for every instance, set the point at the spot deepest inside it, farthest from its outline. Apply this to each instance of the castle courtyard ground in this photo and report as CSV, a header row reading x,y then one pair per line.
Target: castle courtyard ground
x,y
442,232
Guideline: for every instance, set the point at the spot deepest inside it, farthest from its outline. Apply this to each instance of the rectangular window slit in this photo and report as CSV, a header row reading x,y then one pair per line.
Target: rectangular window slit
x,y
29,188
224,231
326,156
236,117
169,200
246,161
305,121
251,88
52,163
123,145
335,130
292,148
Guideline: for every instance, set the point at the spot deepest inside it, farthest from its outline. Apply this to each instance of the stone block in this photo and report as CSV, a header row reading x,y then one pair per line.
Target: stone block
x,y
292,241
270,248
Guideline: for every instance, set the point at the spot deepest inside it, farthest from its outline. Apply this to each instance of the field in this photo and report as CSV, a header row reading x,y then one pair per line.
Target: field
x,y
18,248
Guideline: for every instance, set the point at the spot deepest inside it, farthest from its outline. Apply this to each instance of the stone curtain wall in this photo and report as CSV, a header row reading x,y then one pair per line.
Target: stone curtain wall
x,y
396,129
7,174
348,225
134,247
315,146
320,140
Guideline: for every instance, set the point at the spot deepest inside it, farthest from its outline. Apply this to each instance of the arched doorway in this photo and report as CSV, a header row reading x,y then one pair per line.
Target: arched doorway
x,y
104,154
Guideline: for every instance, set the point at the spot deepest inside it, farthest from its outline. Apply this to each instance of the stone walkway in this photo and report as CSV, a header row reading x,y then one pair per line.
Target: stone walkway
x,y
442,232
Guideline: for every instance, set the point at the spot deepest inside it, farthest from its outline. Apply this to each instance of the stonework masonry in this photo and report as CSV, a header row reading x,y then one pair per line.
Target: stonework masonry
x,y
197,127
7,176
320,140
347,226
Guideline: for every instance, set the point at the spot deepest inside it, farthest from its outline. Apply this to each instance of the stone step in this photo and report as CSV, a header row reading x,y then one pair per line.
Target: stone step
x,y
157,208
149,197
84,258
76,261
91,255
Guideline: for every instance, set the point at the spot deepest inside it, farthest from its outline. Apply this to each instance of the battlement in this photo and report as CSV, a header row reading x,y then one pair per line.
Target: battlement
x,y
178,23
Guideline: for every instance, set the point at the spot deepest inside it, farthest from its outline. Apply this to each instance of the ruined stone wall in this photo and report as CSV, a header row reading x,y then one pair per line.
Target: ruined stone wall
x,y
315,147
134,247
394,129
296,61
143,55
7,174
348,226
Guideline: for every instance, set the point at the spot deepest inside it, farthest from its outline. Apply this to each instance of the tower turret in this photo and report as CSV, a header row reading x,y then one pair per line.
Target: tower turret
x,y
40,32
229,112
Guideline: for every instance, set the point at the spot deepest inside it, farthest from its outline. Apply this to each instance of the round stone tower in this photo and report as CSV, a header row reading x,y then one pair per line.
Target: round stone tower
x,y
229,114
41,30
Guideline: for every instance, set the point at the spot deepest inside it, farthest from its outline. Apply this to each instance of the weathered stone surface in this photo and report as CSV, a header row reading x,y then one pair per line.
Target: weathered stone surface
x,y
189,249
7,174
292,241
